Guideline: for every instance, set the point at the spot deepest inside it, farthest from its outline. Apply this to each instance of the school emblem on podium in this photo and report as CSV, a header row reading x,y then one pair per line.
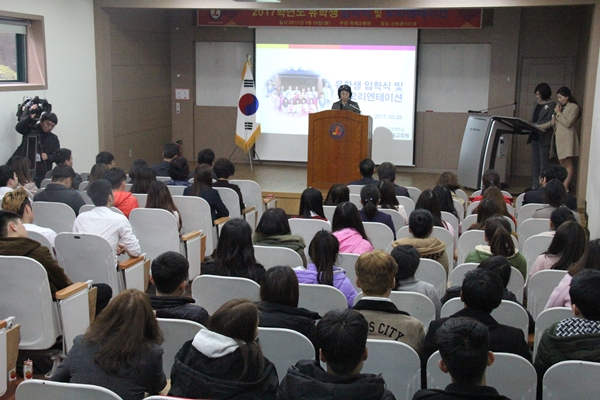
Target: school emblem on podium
x,y
337,131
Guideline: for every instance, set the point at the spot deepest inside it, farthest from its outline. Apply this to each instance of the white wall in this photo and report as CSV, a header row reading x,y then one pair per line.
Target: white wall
x,y
71,66
593,185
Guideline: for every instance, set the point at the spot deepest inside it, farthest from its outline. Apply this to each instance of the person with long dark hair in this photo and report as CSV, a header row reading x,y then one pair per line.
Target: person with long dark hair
x,y
323,251
159,196
554,196
22,167
140,184
348,228
445,197
486,209
451,180
274,230
311,204
202,187
429,200
337,194
388,198
234,255
540,141
136,167
120,351
225,360
369,198
97,172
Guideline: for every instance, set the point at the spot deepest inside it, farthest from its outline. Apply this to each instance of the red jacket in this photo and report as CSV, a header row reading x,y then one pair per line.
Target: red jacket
x,y
125,201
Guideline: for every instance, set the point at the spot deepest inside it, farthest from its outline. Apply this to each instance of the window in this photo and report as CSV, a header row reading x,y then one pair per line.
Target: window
x,y
13,50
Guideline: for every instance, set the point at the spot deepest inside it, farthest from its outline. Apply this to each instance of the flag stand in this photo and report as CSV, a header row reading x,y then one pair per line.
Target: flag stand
x,y
251,154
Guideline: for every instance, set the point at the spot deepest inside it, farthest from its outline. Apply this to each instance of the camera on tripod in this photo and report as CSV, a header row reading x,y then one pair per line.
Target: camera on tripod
x,y
26,108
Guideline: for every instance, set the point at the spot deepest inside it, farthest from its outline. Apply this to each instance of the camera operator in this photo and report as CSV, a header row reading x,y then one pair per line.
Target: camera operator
x,y
38,124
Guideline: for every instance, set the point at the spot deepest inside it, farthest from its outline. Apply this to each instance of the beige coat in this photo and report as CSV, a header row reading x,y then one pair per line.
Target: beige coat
x,y
565,134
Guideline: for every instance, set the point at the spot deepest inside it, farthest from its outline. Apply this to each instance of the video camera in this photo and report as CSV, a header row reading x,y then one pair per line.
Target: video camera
x,y
24,109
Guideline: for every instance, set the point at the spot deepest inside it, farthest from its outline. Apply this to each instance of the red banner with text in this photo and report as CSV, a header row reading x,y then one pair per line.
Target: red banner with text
x,y
464,18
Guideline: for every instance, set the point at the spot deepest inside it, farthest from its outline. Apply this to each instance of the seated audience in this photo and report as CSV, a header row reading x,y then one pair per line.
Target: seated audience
x,y
445,197
225,360
566,248
420,225
207,156
179,170
105,157
140,184
574,338
389,199
120,351
552,171
22,167
311,204
8,180
342,335
337,194
61,189
408,258
170,152
590,259
234,255
486,209
481,293
278,308
65,157
375,273
323,252
367,169
428,200
490,178
224,169
499,243
553,197
464,345
160,197
274,230
348,228
495,194
557,218
136,167
451,181
97,172
202,187
102,221
18,202
387,170
123,200
369,198
170,275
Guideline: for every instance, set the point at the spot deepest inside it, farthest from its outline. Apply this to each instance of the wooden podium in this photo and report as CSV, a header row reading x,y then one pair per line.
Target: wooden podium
x,y
337,141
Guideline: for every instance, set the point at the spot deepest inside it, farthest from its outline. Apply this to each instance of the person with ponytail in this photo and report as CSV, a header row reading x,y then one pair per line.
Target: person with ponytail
x,y
323,252
369,198
566,248
499,243
225,360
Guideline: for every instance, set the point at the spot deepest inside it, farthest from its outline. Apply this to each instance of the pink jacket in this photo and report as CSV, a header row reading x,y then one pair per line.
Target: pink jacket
x,y
560,296
544,261
352,242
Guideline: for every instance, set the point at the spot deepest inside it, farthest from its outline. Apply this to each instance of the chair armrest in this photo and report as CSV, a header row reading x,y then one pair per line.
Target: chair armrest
x,y
248,210
130,262
268,199
221,221
70,290
190,235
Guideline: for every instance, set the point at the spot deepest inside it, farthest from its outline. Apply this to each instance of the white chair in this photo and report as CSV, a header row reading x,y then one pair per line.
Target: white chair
x,y
445,236
89,207
329,211
461,194
196,216
460,208
513,227
85,176
458,274
468,221
380,235
212,291
128,187
472,207
25,293
43,240
355,199
526,211
516,284
451,219
252,194
451,307
355,189
157,231
512,375
413,192
397,218
573,380
407,203
85,196
533,247
539,288
403,232
45,183
531,227
141,198
232,201
35,389
176,190
57,216
307,228
545,320
399,365
512,314
433,272
519,202
163,178
416,304
321,298
175,333
83,185
3,357
284,347
467,242
347,261
86,256
510,209
272,256
476,193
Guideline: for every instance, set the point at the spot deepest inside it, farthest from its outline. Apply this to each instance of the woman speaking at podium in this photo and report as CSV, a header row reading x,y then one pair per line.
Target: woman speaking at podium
x,y
345,93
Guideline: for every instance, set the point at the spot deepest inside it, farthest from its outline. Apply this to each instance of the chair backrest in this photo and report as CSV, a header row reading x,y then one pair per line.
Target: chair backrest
x,y
512,375
519,202
462,195
476,193
329,211
84,176
452,306
399,365
252,194
175,333
513,227
307,228
355,199
539,288
397,218
472,207
156,230
468,221
453,221
413,192
163,178
284,347
347,261
355,189
512,314
25,293
42,389
176,190
448,238
45,183
403,232
83,185
467,242
531,227
128,187
458,274
573,380
545,320
231,200
416,304
57,216
272,256
526,211
409,204
460,209
212,291
85,196
534,246
380,235
516,284
321,298
433,272
41,239
196,216
86,256
510,209
141,198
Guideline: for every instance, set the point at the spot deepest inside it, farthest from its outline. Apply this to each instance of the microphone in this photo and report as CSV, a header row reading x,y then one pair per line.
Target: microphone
x,y
356,108
341,106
